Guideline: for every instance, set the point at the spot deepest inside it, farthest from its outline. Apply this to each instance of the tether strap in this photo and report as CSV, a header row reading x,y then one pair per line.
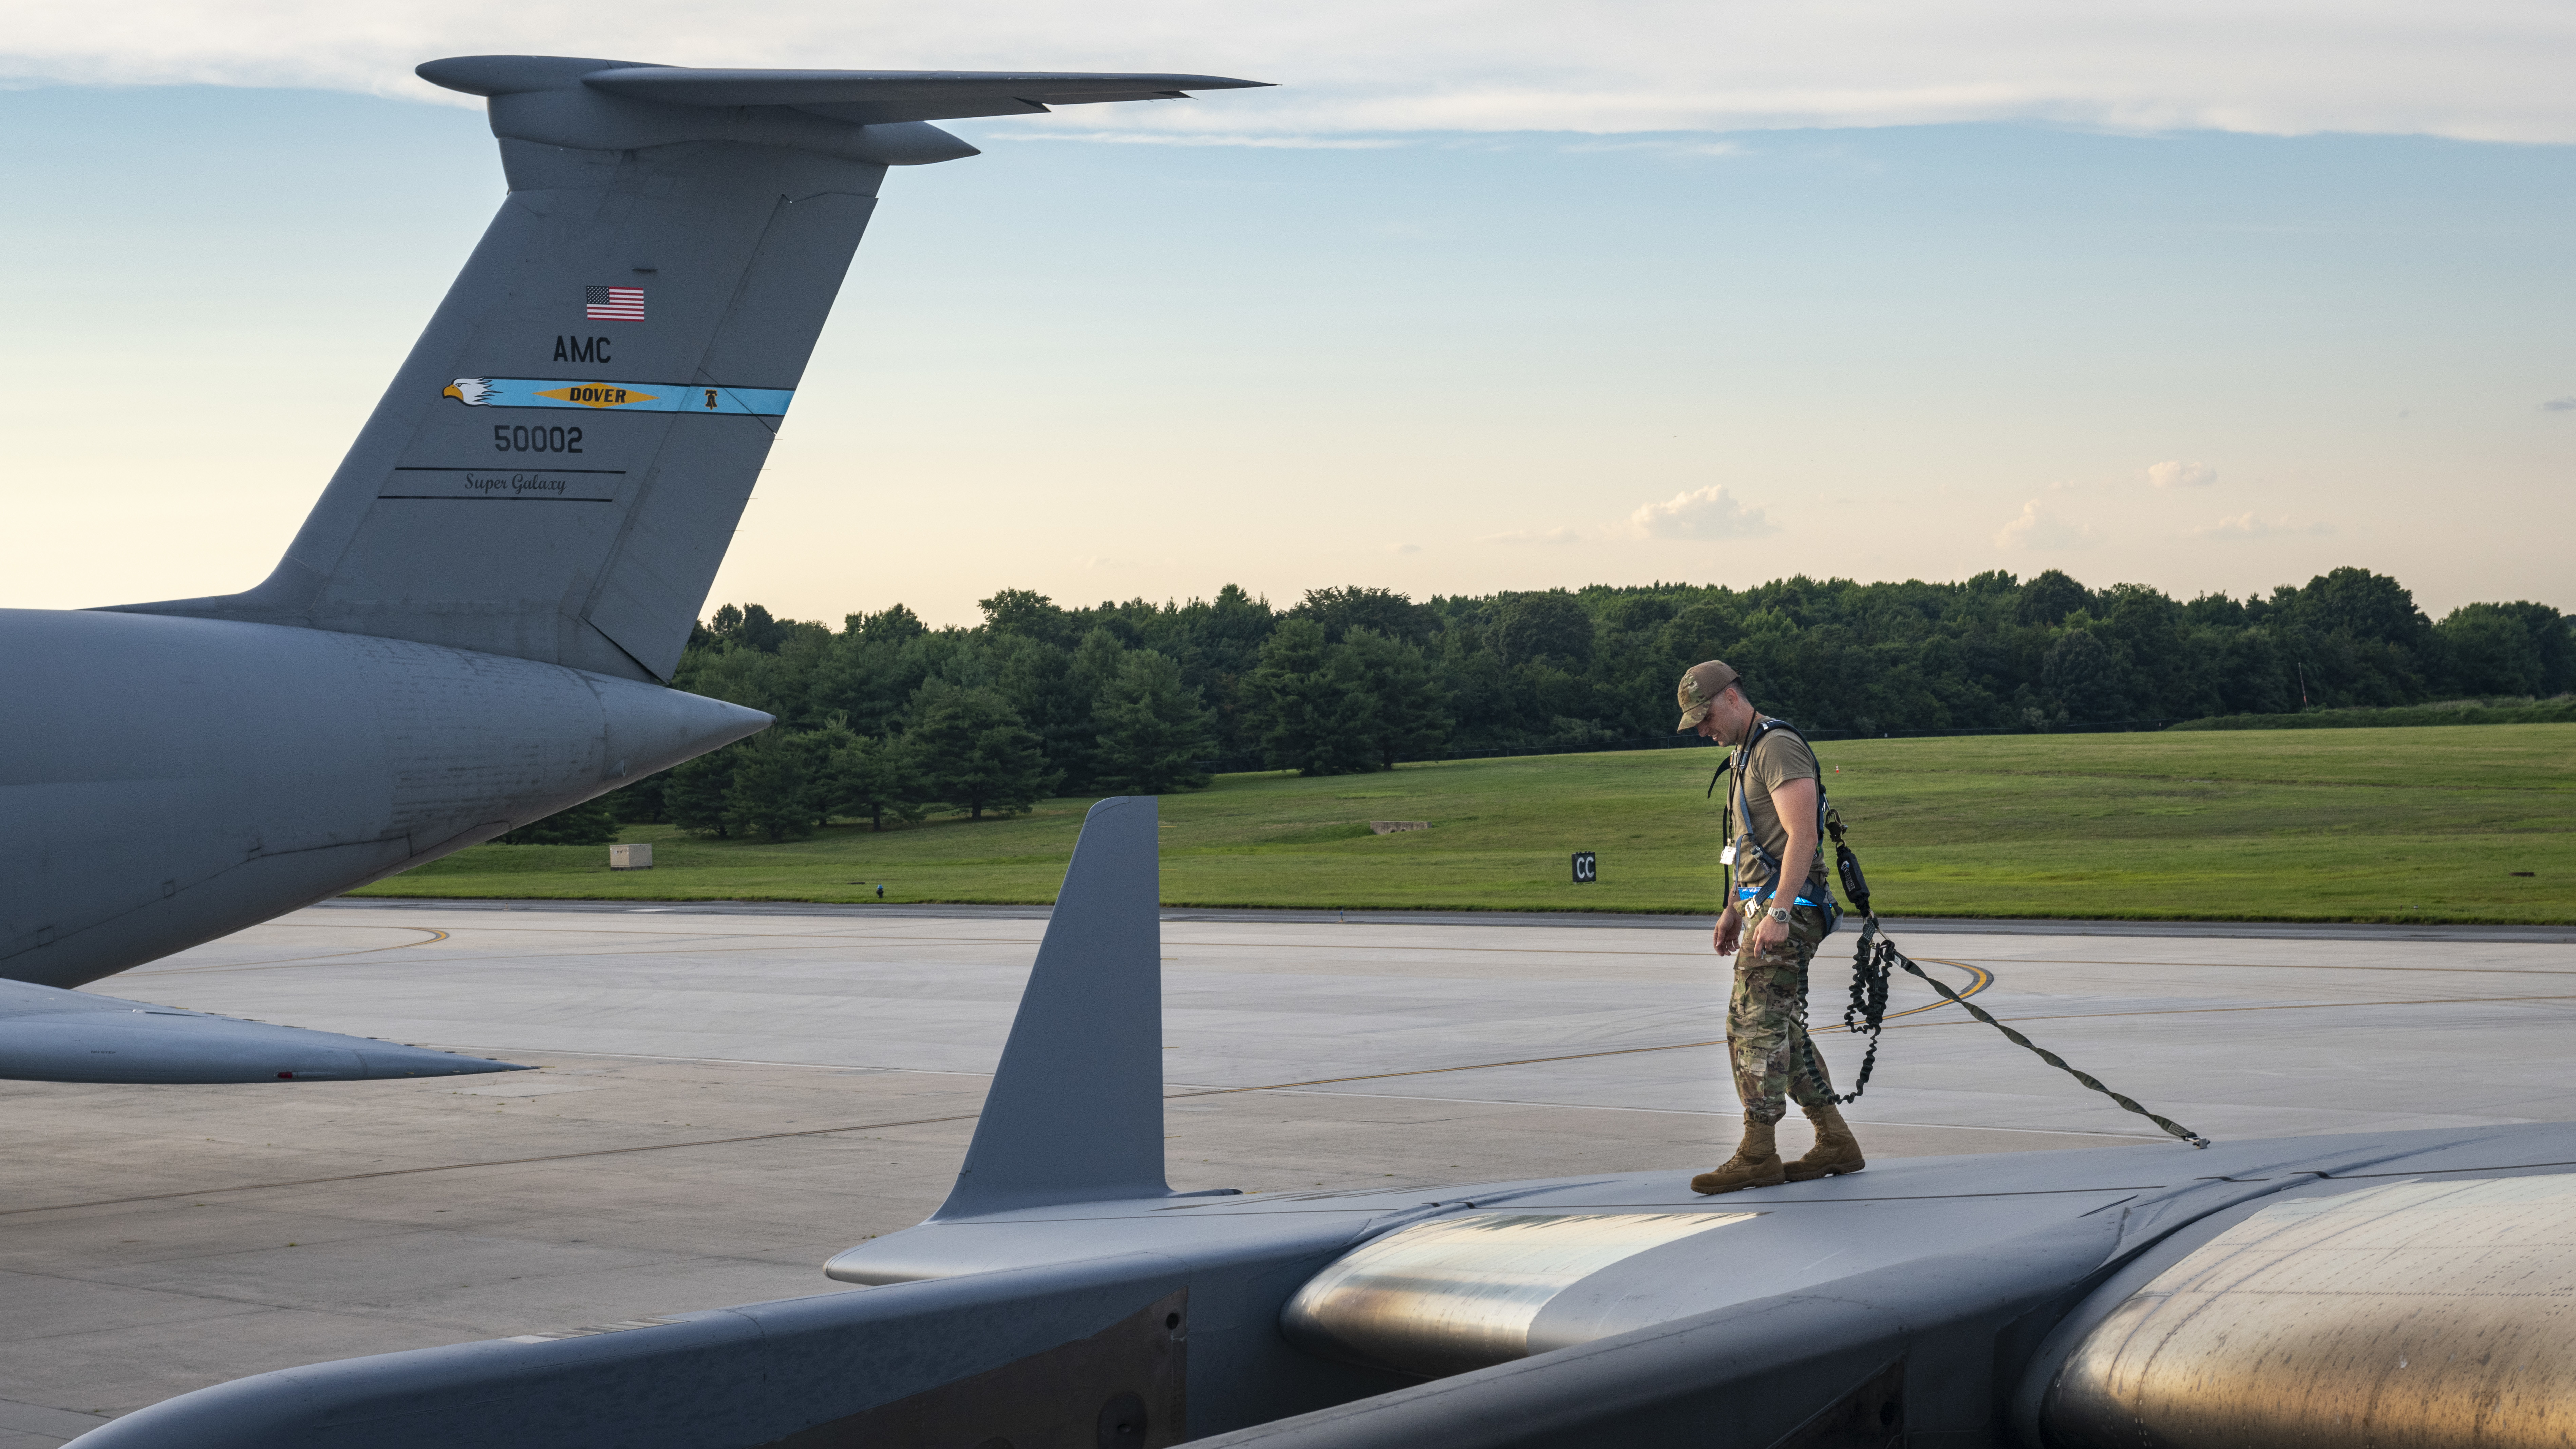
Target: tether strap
x,y
1885,954
1866,1016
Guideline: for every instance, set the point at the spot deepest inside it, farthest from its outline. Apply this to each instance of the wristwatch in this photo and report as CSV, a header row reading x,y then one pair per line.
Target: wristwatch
x,y
1780,913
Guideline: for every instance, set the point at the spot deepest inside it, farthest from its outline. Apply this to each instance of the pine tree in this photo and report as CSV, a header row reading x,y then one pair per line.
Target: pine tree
x,y
1094,667
1219,644
641,803
821,751
1317,715
1053,690
695,797
870,779
1412,709
772,790
971,752
1153,731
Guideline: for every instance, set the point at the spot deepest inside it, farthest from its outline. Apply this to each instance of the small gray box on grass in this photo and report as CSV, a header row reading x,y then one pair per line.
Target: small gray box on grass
x,y
630,857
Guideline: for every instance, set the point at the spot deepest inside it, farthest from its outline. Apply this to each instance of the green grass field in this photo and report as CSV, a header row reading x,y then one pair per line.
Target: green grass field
x,y
2420,824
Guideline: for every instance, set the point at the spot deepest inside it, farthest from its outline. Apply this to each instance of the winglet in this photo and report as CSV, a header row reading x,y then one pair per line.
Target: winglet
x,y
1075,1113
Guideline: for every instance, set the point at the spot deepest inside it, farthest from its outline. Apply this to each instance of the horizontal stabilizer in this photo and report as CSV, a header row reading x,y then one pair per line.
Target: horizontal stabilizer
x,y
1075,1113
862,97
50,1035
874,96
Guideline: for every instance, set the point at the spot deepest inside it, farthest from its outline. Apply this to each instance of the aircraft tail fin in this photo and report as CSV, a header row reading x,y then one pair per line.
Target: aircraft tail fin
x,y
1075,1113
561,461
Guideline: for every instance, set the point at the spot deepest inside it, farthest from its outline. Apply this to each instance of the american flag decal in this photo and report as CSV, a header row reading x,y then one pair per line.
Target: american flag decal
x,y
613,304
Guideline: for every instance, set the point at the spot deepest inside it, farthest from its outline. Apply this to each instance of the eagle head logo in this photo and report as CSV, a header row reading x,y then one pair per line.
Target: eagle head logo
x,y
471,391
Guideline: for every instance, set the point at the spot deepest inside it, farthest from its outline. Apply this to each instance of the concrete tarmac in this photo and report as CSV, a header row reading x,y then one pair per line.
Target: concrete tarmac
x,y
728,1095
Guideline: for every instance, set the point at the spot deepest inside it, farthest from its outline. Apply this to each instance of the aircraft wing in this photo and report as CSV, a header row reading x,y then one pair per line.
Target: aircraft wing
x,y
51,1035
2358,1292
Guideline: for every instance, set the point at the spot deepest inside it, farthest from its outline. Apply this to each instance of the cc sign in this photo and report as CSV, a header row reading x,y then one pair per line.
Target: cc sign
x,y
1587,868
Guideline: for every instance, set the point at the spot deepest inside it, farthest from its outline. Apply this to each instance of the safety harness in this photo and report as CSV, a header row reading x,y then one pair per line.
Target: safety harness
x,y
1740,826
1875,958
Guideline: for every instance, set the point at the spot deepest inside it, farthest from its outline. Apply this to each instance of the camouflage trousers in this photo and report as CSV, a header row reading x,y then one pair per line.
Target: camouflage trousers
x,y
1766,1022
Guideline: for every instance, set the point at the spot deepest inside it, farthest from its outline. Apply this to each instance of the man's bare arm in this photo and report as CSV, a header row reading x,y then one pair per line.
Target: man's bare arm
x,y
1796,802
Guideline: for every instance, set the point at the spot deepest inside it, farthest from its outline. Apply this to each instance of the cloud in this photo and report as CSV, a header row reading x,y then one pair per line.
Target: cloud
x,y
1658,146
2039,527
1709,512
2247,525
1559,534
2474,69
2181,475
1404,548
2559,405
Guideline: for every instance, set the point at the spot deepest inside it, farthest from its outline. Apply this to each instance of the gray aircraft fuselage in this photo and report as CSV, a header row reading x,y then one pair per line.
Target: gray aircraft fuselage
x,y
177,779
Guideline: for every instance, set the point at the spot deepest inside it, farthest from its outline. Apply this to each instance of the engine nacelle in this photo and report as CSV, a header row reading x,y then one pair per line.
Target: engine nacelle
x,y
2419,1315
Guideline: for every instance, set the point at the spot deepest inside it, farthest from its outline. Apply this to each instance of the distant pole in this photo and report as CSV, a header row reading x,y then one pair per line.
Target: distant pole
x,y
2303,685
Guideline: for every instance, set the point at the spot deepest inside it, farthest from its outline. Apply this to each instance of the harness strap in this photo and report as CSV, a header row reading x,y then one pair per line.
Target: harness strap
x,y
1742,806
1748,893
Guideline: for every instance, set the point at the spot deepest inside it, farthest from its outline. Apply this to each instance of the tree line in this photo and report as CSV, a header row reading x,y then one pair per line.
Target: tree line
x,y
886,719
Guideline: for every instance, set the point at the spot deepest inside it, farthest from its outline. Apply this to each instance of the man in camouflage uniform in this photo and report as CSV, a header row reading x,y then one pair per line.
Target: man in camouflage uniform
x,y
1773,814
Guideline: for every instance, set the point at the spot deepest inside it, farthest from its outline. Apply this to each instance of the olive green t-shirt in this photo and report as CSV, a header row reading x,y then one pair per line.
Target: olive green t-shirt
x,y
1778,758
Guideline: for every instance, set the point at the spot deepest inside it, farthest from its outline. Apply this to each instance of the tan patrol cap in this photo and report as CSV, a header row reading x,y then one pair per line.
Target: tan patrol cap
x,y
1701,685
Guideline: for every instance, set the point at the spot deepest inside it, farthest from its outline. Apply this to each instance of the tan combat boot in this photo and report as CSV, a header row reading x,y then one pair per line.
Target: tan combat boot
x,y
1836,1151
1756,1163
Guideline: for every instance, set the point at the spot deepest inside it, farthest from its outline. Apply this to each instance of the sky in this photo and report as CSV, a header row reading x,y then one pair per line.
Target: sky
x,y
1482,296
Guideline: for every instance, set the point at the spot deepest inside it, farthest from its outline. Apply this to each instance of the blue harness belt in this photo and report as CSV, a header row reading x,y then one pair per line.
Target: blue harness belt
x,y
1748,893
